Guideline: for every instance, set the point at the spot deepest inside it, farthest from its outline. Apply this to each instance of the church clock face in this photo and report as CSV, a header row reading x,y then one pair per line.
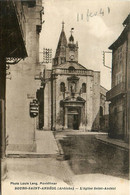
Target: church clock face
x,y
71,56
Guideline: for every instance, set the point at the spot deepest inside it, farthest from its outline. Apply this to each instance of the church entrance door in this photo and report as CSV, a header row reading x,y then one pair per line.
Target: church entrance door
x,y
73,121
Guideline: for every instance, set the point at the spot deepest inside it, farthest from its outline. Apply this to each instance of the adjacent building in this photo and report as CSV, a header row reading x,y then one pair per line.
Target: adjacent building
x,y
71,92
12,49
22,86
119,95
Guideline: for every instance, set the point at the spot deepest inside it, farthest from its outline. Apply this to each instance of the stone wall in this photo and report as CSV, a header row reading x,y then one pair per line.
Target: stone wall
x,y
117,118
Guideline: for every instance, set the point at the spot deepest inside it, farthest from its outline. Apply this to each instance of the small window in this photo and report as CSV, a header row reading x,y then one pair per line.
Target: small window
x,y
84,88
62,87
71,69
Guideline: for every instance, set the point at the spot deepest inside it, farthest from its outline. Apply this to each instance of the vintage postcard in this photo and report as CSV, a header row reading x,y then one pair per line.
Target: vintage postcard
x,y
64,97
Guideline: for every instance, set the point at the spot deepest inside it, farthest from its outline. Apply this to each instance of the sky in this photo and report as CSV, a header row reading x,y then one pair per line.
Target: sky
x,y
97,24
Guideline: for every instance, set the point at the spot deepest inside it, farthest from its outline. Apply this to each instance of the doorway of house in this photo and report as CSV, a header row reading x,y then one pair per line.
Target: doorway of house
x,y
73,121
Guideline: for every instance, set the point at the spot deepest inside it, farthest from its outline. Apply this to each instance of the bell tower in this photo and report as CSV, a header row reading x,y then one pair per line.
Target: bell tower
x,y
66,51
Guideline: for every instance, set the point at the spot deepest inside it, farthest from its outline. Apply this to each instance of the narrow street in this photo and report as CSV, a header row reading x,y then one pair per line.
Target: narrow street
x,y
76,160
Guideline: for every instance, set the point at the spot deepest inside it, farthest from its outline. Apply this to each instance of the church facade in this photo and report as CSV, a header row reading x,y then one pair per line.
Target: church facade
x,y
71,91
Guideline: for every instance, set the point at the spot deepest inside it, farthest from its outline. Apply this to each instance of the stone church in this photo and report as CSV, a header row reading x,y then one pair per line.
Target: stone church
x,y
71,92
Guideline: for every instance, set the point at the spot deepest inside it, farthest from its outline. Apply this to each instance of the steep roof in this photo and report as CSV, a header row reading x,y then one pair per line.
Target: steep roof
x,y
123,36
62,42
127,20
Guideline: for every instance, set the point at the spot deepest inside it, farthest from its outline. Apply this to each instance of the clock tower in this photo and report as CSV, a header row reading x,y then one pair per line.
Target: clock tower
x,y
72,50
66,52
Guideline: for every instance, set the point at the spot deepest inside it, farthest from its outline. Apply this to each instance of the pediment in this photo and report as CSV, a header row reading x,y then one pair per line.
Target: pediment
x,y
66,65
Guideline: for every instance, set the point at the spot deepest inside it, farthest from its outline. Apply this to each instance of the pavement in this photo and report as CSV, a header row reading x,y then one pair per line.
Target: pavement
x,y
46,147
46,143
115,142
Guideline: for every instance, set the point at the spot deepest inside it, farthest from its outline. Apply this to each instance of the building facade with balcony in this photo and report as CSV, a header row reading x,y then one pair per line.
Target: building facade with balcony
x,y
22,86
119,93
71,91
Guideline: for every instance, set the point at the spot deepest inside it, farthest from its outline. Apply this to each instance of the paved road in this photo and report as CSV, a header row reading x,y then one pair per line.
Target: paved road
x,y
86,155
88,163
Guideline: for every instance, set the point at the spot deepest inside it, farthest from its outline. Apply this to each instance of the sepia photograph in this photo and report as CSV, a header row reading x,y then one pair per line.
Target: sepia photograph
x,y
64,97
